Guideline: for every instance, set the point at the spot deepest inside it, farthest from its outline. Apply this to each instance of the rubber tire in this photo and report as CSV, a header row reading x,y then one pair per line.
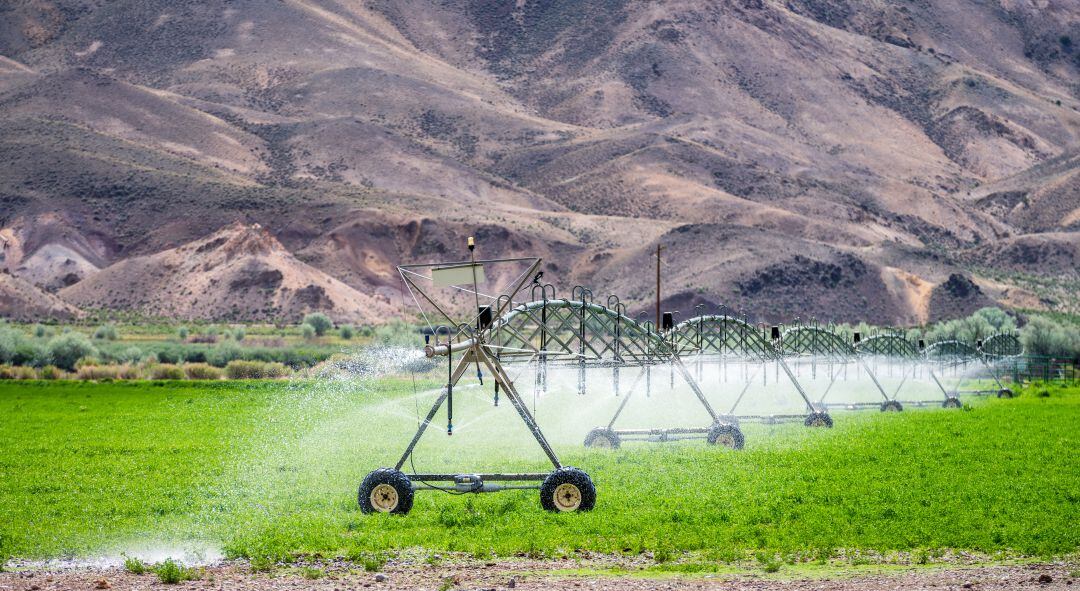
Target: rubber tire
x,y
951,402
603,433
396,479
818,416
1005,393
564,475
892,405
721,429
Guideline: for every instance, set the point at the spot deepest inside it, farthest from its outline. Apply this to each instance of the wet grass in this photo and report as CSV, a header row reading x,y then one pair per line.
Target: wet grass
x,y
269,470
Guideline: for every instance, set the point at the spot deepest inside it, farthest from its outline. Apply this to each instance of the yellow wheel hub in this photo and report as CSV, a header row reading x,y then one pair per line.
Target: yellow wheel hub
x,y
384,498
567,497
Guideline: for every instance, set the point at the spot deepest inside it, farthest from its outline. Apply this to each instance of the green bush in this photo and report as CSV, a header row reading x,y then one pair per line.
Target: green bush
x,y
223,353
130,355
39,331
307,331
105,332
17,349
171,572
134,565
51,372
347,332
166,371
182,333
239,334
64,350
1042,336
318,321
201,371
255,370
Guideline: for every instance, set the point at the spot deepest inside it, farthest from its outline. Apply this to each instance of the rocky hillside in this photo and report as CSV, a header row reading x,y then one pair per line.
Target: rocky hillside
x,y
877,160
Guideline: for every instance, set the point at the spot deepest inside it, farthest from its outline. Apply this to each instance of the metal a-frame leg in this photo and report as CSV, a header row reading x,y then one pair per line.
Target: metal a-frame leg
x,y
685,373
939,385
511,392
795,382
474,355
626,399
462,365
873,378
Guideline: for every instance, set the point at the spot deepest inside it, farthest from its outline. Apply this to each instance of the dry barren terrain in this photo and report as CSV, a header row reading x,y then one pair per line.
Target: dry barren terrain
x,y
878,160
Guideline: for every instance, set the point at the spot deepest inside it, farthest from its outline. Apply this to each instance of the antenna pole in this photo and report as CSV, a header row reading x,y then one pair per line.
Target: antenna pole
x,y
476,295
658,247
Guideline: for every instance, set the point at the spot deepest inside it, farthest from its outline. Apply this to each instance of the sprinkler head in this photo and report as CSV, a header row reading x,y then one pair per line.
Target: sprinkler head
x,y
472,243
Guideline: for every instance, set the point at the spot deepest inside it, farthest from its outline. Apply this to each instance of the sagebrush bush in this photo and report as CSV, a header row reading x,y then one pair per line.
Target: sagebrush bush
x,y
130,372
17,349
130,355
105,332
64,350
23,372
347,332
182,332
39,331
201,371
255,370
98,372
166,371
88,360
307,331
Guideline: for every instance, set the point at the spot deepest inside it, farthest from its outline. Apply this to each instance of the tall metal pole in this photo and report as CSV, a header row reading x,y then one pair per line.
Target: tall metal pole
x,y
476,295
658,247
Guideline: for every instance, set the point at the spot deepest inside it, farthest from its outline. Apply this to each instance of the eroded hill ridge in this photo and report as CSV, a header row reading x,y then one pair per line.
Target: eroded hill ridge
x,y
829,158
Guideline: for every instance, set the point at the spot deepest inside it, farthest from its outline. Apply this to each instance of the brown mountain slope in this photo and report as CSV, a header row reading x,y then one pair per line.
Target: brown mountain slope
x,y
767,143
22,301
240,272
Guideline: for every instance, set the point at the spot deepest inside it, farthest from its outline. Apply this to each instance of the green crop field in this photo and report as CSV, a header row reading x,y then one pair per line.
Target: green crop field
x,y
270,469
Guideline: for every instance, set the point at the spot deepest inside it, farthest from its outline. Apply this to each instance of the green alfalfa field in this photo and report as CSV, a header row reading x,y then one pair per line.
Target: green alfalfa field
x,y
268,470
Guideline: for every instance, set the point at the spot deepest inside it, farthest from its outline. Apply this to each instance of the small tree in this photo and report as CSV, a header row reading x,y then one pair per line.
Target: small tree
x,y
307,330
347,332
182,332
319,321
66,349
105,332
39,331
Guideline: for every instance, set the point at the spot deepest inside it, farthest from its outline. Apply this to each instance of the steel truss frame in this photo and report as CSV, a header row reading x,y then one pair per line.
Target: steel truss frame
x,y
474,350
824,346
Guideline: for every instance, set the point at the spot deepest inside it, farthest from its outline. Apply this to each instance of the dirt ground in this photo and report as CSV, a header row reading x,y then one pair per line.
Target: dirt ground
x,y
559,575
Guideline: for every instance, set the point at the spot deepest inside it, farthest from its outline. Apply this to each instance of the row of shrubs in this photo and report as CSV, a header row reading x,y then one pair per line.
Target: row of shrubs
x,y
64,350
234,370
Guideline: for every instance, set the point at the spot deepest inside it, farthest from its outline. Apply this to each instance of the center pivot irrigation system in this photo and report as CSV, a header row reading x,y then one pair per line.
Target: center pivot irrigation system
x,y
544,331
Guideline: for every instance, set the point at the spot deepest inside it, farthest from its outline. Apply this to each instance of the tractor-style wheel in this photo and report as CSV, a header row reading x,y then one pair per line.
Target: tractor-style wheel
x,y
951,402
602,438
386,491
891,406
567,489
1005,393
818,419
729,436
